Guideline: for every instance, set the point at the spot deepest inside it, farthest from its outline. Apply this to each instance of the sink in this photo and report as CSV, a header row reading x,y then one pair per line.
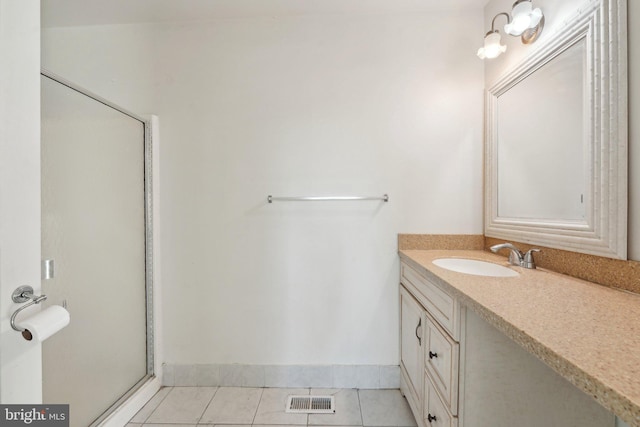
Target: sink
x,y
475,267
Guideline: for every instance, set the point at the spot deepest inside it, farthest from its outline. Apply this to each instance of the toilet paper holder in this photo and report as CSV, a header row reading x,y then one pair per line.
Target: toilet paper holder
x,y
20,295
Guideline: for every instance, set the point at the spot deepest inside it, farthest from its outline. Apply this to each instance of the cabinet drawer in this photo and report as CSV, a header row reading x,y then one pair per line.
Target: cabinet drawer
x,y
441,361
436,413
442,306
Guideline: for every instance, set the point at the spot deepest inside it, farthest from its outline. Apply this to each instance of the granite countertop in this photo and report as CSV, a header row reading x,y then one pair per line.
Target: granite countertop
x,y
588,333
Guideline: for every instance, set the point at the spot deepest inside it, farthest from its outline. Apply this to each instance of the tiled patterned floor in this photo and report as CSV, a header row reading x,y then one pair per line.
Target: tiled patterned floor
x,y
235,406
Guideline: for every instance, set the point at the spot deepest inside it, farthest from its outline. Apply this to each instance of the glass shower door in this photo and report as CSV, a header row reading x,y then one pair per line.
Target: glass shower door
x,y
94,228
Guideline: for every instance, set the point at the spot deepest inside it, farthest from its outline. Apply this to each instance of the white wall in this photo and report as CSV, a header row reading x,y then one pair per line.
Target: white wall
x,y
556,13
20,360
309,105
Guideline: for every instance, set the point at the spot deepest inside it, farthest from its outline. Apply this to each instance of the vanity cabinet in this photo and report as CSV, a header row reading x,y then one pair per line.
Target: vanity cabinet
x,y
436,403
458,370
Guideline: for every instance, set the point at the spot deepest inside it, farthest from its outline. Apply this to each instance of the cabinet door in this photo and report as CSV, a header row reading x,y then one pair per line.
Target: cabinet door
x,y
411,349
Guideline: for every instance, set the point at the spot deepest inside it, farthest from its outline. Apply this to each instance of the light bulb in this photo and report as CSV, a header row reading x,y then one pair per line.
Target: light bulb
x,y
492,47
523,17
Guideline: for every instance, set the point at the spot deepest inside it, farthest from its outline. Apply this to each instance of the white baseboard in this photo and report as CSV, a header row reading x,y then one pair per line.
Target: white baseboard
x,y
302,376
121,416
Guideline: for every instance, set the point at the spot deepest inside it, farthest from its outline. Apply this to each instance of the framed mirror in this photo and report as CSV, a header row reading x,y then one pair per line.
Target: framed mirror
x,y
556,139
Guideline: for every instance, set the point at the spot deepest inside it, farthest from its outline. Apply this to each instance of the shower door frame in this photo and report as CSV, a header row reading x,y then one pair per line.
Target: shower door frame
x,y
151,352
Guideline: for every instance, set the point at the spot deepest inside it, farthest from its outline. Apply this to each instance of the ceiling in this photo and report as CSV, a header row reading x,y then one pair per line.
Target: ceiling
x,y
63,13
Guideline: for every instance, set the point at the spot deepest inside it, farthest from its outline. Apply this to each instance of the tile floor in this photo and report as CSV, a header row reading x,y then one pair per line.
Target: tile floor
x,y
235,406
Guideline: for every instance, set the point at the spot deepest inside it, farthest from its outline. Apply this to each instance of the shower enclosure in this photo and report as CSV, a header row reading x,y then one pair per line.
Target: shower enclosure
x,y
96,227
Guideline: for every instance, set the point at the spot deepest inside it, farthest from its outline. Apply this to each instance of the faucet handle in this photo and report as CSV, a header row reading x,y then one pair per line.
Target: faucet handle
x,y
515,256
527,260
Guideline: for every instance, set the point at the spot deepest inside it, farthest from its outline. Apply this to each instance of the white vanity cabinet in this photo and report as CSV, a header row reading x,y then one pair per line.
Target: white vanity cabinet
x,y
458,370
435,400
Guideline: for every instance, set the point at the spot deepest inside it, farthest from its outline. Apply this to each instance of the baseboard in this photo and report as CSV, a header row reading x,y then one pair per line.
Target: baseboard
x,y
301,376
121,416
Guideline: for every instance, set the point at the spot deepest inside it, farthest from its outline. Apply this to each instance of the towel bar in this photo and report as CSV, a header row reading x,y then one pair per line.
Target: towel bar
x,y
271,199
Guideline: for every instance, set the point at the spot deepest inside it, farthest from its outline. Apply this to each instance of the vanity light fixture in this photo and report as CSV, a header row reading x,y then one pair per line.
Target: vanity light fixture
x,y
492,47
524,22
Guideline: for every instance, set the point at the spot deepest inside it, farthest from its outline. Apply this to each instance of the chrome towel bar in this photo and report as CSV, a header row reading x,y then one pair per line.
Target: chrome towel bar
x,y
271,199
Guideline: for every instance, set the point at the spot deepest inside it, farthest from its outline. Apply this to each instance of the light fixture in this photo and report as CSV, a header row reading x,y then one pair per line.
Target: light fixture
x,y
492,47
524,22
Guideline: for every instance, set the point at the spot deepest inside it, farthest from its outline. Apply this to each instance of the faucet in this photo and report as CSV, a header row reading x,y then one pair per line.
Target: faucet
x,y
516,257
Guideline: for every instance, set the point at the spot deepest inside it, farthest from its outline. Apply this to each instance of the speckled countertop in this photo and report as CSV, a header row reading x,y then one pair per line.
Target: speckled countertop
x,y
589,334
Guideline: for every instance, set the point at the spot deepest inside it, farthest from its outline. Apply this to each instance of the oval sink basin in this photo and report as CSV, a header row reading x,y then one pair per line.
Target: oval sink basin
x,y
475,267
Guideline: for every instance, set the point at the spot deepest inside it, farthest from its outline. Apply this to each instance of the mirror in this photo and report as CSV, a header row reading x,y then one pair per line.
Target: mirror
x,y
556,140
532,184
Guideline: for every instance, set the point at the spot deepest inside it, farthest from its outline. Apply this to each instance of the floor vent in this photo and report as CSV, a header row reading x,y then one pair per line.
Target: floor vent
x,y
311,405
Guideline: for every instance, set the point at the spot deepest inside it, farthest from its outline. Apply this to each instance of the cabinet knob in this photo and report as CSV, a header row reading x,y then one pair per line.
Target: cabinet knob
x,y
432,355
431,418
418,336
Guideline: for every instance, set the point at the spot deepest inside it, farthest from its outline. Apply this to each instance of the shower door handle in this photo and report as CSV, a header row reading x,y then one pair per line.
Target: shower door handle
x,y
47,271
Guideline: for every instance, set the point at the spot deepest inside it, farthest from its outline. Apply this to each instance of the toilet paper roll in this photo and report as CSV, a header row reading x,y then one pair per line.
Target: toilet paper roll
x,y
42,325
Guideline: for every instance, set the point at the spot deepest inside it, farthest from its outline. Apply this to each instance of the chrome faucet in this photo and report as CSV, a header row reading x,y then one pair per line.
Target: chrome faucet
x,y
516,257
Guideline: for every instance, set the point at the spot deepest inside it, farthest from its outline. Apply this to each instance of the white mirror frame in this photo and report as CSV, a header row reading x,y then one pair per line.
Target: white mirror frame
x,y
602,23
